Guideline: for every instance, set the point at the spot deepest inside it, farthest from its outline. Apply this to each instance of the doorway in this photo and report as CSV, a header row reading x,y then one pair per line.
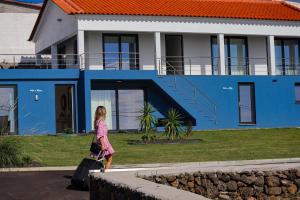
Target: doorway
x,y
174,54
64,101
122,107
246,99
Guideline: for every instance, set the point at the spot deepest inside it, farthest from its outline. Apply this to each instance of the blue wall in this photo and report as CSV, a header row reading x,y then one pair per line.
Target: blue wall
x,y
275,97
37,117
275,100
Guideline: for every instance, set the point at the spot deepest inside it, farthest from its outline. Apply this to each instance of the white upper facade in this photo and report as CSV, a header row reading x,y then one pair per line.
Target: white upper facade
x,y
86,33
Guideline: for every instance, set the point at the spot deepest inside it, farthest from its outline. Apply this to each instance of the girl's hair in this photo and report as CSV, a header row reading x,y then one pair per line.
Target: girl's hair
x,y
100,114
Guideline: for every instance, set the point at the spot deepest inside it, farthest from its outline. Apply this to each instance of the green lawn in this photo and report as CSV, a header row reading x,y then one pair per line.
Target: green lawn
x,y
216,146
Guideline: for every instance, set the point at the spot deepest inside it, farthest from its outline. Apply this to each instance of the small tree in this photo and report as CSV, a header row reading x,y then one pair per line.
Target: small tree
x,y
147,121
173,126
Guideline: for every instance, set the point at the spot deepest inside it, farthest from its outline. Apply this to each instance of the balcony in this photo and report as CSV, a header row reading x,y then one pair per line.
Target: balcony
x,y
167,65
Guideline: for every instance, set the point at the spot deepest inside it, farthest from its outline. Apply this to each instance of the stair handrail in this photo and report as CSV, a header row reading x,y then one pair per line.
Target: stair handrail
x,y
209,100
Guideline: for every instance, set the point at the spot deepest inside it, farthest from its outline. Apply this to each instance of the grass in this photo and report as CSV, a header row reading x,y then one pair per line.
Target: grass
x,y
216,146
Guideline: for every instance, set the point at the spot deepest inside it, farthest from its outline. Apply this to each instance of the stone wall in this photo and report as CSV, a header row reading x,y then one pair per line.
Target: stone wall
x,y
101,189
250,185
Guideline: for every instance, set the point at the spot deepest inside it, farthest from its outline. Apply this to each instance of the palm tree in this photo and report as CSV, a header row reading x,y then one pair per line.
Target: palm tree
x,y
173,126
147,120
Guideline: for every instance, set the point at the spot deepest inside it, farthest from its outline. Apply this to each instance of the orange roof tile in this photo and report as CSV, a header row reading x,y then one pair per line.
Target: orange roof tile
x,y
243,9
238,9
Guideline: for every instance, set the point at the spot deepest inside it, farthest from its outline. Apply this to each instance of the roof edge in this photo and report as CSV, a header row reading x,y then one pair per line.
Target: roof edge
x,y
27,5
37,21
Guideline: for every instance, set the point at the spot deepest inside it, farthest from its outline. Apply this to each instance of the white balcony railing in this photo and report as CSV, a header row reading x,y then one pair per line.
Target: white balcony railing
x,y
171,65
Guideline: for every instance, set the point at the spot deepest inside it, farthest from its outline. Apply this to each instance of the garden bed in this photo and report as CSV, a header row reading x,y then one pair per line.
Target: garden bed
x,y
165,141
252,185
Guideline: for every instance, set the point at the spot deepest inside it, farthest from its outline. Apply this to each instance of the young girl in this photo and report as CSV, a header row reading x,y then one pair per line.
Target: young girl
x,y
101,133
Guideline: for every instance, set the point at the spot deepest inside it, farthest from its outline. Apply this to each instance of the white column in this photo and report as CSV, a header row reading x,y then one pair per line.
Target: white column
x,y
157,38
271,59
80,49
54,57
221,45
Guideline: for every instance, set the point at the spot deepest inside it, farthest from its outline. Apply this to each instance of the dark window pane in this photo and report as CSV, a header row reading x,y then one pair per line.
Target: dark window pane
x,y
130,102
111,52
291,55
237,56
129,52
287,56
278,56
215,55
246,104
297,92
8,108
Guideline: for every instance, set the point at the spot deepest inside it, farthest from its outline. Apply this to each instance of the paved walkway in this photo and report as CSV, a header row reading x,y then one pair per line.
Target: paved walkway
x,y
49,185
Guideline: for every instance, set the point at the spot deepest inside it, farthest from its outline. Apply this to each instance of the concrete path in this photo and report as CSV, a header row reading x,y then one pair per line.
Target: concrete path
x,y
137,167
128,178
54,182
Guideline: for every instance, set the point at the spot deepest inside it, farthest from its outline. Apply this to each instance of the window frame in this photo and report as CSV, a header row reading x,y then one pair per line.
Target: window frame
x,y
282,39
295,86
15,87
119,35
116,91
227,46
253,103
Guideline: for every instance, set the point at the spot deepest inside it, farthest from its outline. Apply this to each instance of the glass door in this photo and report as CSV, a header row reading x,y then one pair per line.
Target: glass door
x,y
174,54
287,56
8,110
130,102
246,103
122,107
236,54
106,98
64,103
120,52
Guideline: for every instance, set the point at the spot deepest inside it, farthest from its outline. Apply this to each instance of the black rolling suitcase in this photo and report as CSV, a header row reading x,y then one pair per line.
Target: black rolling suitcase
x,y
80,178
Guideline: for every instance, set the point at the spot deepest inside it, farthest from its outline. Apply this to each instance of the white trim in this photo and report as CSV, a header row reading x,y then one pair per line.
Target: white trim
x,y
221,45
157,40
271,49
187,25
80,49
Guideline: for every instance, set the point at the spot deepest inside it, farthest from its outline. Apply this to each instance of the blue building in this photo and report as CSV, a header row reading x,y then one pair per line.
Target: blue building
x,y
220,65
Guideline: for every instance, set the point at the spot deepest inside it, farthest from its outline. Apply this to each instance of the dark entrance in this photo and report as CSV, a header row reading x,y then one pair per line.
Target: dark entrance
x,y
64,101
174,54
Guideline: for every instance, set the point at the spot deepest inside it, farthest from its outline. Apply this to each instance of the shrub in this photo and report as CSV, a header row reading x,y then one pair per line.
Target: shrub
x,y
188,129
147,121
68,131
11,154
173,127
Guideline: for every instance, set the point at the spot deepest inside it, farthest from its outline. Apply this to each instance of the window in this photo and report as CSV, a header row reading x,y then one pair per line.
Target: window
x,y
122,107
297,92
246,103
8,110
287,56
236,55
120,52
